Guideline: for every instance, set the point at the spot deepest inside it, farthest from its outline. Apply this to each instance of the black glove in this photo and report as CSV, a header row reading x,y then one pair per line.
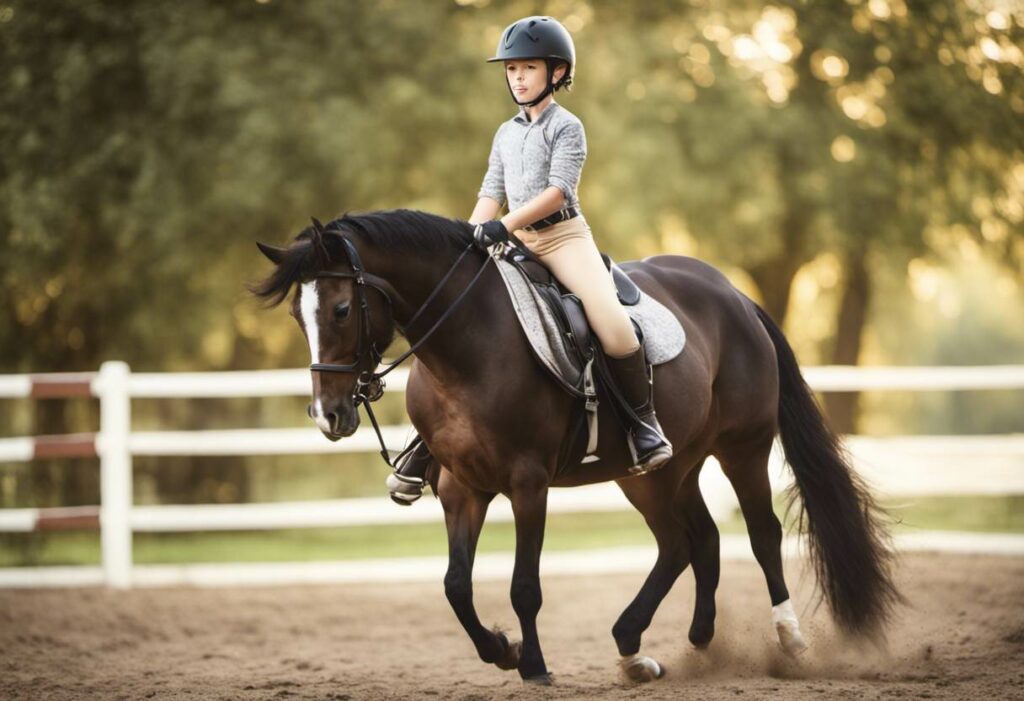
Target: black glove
x,y
489,233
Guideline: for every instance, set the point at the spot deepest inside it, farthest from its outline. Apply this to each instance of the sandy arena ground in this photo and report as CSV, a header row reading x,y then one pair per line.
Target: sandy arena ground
x,y
962,637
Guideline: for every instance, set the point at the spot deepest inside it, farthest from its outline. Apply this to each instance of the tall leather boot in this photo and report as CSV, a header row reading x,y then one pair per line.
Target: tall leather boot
x,y
405,484
633,376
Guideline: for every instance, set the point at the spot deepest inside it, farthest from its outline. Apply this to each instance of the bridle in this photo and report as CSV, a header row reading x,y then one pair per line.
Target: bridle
x,y
369,385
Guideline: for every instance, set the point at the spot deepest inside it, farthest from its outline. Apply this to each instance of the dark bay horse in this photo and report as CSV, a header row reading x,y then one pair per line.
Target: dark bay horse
x,y
497,423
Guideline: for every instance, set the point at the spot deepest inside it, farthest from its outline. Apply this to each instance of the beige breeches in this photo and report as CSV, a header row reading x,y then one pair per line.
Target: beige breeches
x,y
568,250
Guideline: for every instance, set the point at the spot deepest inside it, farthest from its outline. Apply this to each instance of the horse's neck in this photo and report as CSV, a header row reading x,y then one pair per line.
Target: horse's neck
x,y
468,337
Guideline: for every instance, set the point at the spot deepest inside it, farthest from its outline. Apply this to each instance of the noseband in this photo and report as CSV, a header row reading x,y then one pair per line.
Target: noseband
x,y
369,385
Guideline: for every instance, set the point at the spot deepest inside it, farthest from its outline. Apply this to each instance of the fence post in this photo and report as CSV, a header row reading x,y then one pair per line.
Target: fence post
x,y
115,473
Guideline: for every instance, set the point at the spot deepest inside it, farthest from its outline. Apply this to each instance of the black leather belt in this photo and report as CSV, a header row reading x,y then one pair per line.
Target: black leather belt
x,y
559,216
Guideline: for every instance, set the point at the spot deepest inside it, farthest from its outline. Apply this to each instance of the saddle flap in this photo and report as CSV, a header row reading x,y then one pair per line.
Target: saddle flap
x,y
567,311
628,291
578,325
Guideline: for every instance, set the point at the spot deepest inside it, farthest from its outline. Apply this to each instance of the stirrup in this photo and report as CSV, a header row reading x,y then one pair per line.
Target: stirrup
x,y
404,490
657,457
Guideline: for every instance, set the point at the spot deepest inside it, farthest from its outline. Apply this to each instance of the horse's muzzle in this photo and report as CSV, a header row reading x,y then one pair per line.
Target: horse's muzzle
x,y
341,425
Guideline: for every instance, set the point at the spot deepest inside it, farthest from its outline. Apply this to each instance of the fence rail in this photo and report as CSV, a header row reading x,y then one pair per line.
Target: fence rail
x,y
926,464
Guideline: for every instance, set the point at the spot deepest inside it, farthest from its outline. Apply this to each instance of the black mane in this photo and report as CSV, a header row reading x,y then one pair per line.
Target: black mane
x,y
402,231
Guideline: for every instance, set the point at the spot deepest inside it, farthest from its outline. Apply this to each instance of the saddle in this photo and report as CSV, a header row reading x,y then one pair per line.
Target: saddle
x,y
553,319
565,307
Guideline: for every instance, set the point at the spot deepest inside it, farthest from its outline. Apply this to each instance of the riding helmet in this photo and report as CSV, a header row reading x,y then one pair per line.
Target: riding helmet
x,y
543,37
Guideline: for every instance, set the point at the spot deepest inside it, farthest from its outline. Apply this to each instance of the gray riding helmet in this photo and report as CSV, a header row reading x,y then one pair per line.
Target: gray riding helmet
x,y
538,36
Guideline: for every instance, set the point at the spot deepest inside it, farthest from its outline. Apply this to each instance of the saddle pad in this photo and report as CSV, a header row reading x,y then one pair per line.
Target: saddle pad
x,y
664,337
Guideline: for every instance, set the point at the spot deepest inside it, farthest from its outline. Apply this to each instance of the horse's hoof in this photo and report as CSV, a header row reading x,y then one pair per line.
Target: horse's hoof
x,y
513,651
540,680
788,629
639,668
791,640
700,636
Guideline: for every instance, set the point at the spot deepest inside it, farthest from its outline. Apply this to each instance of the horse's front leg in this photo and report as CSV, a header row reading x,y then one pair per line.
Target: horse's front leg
x,y
529,496
464,512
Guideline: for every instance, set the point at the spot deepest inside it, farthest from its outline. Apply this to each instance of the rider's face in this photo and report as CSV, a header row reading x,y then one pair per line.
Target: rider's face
x,y
527,78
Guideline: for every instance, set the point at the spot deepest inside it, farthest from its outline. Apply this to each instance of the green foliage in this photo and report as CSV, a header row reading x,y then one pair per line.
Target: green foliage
x,y
148,144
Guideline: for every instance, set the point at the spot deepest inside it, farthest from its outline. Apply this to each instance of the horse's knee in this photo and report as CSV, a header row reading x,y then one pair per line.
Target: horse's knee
x,y
526,596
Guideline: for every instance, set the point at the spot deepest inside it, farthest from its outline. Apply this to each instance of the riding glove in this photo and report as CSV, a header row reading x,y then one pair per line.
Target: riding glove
x,y
489,233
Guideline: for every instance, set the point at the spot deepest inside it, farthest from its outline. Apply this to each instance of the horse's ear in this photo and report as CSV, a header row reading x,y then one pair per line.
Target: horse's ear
x,y
276,255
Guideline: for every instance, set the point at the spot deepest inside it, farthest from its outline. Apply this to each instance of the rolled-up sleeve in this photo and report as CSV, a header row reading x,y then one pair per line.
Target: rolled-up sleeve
x,y
494,180
568,151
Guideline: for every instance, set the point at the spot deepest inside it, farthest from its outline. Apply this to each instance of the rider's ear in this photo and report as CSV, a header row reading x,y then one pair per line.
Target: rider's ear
x,y
276,255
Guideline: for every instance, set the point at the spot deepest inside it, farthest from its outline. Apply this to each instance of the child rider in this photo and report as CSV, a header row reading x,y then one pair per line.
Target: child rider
x,y
535,164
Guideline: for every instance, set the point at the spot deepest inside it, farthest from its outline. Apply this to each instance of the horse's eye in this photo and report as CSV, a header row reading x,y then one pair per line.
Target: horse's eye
x,y
341,311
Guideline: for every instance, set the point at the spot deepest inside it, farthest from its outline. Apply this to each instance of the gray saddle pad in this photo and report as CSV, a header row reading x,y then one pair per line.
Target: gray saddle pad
x,y
664,337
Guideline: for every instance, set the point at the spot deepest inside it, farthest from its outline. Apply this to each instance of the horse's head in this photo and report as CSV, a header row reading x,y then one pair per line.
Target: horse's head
x,y
345,317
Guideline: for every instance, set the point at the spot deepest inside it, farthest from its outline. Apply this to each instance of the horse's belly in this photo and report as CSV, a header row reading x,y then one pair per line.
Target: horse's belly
x,y
592,473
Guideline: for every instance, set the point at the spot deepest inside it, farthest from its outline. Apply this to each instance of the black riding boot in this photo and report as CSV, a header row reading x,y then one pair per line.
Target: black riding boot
x,y
633,376
406,483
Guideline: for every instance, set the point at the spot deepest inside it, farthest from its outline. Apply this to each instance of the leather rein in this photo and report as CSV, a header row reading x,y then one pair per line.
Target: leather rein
x,y
369,385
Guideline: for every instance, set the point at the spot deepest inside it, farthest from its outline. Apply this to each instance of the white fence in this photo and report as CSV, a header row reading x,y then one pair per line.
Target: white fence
x,y
896,466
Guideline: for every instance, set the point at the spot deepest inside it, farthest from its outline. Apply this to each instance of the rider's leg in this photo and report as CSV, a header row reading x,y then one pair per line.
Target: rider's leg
x,y
570,253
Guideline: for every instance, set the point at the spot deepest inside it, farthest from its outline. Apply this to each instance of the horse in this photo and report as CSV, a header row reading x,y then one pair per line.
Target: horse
x,y
497,423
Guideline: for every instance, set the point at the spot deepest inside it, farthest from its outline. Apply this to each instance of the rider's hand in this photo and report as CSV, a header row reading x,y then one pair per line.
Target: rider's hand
x,y
489,233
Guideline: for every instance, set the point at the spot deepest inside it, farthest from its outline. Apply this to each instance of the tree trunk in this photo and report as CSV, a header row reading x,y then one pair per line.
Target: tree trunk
x,y
774,279
842,407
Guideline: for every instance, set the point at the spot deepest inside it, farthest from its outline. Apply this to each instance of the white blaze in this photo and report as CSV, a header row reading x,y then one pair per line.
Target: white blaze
x,y
309,303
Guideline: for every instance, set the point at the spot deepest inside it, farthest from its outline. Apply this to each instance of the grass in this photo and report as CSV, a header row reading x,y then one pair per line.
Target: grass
x,y
564,532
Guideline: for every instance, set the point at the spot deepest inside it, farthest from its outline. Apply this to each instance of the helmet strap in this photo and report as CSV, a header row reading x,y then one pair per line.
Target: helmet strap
x,y
547,90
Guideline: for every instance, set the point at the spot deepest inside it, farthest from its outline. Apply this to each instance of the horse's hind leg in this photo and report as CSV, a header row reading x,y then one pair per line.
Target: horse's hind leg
x,y
745,463
464,512
653,497
705,556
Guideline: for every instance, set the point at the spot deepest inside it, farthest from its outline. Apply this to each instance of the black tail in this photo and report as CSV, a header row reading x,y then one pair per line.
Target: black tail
x,y
848,543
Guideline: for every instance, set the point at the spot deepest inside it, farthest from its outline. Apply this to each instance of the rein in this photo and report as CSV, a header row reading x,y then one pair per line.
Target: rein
x,y
370,383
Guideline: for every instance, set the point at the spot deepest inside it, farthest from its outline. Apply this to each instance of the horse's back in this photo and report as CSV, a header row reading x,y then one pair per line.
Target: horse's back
x,y
703,298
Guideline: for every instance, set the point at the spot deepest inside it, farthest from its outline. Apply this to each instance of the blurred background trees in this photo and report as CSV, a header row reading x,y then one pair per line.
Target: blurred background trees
x,y
857,167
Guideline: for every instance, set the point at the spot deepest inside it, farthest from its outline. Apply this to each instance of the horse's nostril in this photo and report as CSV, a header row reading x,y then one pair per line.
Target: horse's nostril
x,y
332,421
309,410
